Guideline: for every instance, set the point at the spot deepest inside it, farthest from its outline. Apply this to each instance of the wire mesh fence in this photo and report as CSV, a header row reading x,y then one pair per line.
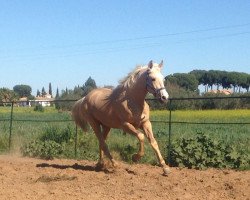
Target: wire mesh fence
x,y
11,119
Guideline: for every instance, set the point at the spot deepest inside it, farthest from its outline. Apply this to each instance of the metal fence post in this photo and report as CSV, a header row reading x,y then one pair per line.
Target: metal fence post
x,y
76,141
169,131
11,120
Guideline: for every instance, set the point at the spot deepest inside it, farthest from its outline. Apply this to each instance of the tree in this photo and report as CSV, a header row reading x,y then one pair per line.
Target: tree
x,y
171,79
247,83
22,90
221,75
187,81
57,104
234,79
38,93
88,86
199,75
50,89
7,95
67,95
242,81
43,92
78,91
214,78
208,80
57,93
225,81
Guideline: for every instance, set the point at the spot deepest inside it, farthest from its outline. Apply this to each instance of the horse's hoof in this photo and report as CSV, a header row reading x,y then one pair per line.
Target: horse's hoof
x,y
136,158
115,164
166,171
100,165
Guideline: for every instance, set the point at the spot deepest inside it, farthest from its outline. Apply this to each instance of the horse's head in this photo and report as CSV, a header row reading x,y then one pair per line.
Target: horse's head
x,y
155,81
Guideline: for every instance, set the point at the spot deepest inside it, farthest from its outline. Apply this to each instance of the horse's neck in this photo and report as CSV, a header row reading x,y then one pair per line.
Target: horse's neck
x,y
135,93
138,91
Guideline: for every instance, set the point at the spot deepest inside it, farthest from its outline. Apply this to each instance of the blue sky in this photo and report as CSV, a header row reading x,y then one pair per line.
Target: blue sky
x,y
64,42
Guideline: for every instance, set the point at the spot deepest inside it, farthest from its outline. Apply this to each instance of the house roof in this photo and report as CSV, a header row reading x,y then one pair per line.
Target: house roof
x,y
44,99
23,99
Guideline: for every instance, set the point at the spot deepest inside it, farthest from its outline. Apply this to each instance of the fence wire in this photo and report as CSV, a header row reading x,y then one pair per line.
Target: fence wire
x,y
168,122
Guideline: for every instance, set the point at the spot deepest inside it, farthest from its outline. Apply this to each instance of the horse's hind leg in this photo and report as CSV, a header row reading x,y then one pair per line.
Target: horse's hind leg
x,y
102,144
105,132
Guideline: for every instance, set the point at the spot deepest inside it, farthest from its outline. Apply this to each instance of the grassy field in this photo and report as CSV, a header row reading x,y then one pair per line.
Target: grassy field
x,y
29,125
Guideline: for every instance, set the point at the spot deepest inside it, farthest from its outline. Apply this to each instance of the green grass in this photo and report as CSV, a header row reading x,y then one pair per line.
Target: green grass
x,y
29,125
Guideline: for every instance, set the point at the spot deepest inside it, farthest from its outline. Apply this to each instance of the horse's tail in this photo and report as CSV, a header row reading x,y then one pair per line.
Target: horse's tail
x,y
78,115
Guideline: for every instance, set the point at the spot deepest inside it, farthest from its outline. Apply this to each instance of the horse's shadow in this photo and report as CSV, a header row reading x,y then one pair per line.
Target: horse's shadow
x,y
74,166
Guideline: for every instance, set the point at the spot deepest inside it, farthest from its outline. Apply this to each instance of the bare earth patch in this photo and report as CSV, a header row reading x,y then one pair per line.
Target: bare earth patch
x,y
29,178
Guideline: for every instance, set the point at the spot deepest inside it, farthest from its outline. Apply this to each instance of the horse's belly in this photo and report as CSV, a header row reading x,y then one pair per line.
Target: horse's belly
x,y
107,117
101,109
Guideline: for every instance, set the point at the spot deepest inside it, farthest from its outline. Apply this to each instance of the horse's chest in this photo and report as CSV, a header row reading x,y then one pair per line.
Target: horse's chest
x,y
136,120
133,113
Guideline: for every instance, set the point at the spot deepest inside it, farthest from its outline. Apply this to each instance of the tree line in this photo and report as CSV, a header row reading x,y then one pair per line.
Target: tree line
x,y
20,91
178,85
220,79
76,93
186,85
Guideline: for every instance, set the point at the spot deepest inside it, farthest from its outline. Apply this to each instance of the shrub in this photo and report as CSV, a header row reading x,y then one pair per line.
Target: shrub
x,y
46,150
39,108
48,145
201,152
53,133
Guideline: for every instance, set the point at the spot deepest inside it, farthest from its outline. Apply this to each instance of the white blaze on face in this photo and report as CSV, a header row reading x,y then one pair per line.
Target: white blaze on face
x,y
156,81
164,93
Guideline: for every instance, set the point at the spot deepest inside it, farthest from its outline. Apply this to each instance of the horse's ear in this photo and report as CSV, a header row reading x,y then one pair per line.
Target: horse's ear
x,y
150,64
161,64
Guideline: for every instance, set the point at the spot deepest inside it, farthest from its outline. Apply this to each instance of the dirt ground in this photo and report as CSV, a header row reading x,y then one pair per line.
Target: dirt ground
x,y
29,178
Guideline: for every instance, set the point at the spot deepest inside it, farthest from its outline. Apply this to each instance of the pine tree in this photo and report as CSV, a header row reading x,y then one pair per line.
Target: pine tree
x,y
50,89
43,92
57,93
57,104
88,86
38,93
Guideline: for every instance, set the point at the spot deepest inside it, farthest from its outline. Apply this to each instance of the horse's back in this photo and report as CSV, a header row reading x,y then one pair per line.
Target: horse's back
x,y
98,100
98,105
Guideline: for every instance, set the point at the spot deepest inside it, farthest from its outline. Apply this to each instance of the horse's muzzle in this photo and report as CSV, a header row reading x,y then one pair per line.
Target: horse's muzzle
x,y
163,99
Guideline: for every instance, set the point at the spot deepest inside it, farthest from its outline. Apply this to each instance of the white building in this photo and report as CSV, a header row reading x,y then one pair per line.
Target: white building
x,y
44,100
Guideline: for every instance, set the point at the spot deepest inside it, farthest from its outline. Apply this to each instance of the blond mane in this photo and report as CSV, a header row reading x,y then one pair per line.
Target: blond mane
x,y
130,79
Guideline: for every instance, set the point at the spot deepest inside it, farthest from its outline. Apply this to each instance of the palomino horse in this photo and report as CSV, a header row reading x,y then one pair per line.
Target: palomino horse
x,y
124,108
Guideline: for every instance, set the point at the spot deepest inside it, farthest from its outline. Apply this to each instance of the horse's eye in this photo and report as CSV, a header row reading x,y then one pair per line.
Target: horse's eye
x,y
153,79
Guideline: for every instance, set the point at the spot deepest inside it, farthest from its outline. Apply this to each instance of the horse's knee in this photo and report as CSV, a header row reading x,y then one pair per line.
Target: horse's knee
x,y
141,137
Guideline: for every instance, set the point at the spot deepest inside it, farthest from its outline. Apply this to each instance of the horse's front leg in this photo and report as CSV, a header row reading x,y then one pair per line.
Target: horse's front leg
x,y
147,128
129,128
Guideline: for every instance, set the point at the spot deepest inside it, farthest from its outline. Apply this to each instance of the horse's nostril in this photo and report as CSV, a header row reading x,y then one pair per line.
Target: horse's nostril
x,y
164,98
